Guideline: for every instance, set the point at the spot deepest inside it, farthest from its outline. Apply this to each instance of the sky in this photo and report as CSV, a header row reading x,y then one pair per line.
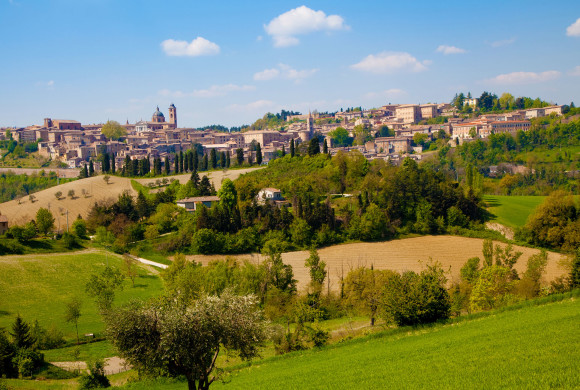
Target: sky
x,y
230,62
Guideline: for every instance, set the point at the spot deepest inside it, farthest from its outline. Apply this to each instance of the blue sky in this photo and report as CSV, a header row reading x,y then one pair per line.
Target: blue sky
x,y
229,62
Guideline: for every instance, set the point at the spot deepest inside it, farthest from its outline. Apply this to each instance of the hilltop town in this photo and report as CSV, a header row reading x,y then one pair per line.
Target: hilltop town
x,y
387,132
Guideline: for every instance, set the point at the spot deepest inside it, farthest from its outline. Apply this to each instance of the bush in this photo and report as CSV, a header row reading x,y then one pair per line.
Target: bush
x,y
206,241
413,299
96,378
69,240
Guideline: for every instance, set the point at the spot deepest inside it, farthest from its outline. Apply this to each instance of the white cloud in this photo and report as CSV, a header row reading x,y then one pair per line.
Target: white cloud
x,y
253,106
50,83
445,49
573,30
389,93
213,91
198,47
575,71
525,77
299,21
266,74
284,71
391,62
503,42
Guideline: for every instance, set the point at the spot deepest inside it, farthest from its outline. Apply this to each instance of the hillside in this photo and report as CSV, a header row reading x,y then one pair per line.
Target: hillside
x,y
510,349
38,286
398,255
96,190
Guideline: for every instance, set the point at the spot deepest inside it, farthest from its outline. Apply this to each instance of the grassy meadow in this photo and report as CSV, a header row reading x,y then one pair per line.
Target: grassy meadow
x,y
526,347
512,211
38,286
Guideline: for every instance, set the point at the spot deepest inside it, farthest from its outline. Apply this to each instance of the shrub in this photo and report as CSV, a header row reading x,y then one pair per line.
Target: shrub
x,y
96,378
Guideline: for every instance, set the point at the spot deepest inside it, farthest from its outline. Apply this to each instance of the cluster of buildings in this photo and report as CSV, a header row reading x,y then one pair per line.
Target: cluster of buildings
x,y
74,143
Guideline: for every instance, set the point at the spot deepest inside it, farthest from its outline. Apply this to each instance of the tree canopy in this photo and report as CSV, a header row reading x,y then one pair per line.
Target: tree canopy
x,y
113,130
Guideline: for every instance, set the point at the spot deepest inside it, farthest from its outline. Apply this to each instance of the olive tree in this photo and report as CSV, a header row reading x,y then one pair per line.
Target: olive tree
x,y
186,339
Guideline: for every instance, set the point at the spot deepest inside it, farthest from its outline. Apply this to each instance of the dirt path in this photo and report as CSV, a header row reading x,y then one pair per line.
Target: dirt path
x,y
113,365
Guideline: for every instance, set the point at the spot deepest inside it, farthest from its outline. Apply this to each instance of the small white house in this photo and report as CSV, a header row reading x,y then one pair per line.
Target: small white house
x,y
269,194
191,204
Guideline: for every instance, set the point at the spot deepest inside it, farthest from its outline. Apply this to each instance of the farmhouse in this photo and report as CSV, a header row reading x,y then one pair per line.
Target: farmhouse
x,y
269,194
191,204
3,224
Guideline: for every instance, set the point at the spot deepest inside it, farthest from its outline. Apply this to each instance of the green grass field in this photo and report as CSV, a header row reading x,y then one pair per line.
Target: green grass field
x,y
38,286
533,347
512,211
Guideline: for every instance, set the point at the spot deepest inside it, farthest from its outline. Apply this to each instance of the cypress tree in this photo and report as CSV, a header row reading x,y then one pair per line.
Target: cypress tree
x,y
222,159
259,154
283,151
228,162
106,162
113,163
91,168
176,163
213,159
195,160
292,150
181,164
325,147
167,166
205,162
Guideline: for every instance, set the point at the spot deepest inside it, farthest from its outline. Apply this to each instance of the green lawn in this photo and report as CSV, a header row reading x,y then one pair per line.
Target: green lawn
x,y
534,347
512,211
37,287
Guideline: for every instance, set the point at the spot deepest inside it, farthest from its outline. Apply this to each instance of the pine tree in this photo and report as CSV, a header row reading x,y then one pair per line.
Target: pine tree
x,y
194,178
21,336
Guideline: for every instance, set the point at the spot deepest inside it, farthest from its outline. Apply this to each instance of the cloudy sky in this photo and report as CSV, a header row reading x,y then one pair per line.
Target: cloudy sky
x,y
229,62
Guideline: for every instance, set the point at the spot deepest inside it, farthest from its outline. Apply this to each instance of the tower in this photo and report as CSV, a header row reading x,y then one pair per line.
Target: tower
x,y
173,115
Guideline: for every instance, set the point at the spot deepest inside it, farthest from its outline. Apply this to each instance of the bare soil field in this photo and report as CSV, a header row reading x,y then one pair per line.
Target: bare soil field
x,y
398,255
95,190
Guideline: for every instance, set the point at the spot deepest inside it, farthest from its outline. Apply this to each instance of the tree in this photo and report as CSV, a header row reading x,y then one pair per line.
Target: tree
x,y
102,287
363,290
21,336
57,195
91,169
107,179
166,166
79,227
313,147
213,158
73,313
259,154
130,268
31,198
44,221
325,147
412,299
113,130
240,156
186,339
95,378
340,137
71,194
292,148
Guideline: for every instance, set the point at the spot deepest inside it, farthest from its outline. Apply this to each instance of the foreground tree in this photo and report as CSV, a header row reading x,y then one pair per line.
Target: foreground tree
x,y
186,339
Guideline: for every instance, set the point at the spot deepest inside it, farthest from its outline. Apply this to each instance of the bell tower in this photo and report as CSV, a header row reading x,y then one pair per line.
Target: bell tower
x,y
173,115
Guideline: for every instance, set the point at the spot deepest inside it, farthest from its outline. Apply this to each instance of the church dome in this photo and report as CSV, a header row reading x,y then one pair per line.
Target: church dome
x,y
158,113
